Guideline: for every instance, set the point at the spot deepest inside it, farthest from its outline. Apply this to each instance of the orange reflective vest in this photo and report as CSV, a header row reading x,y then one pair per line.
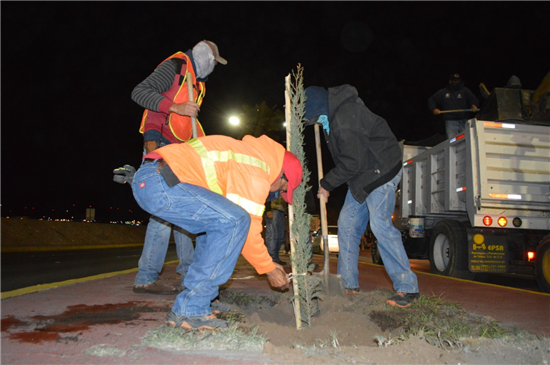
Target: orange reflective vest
x,y
242,171
179,125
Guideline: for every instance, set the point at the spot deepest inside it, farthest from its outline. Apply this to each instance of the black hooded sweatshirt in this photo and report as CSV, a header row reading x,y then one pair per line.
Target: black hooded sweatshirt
x,y
364,149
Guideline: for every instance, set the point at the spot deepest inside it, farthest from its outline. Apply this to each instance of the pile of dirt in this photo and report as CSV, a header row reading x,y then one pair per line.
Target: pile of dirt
x,y
18,233
363,329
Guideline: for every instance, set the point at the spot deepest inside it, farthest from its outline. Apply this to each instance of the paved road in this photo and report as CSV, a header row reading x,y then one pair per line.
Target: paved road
x,y
24,269
518,281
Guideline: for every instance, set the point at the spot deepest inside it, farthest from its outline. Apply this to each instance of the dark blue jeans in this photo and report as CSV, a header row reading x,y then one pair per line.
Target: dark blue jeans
x,y
275,233
455,127
156,243
157,239
196,210
352,222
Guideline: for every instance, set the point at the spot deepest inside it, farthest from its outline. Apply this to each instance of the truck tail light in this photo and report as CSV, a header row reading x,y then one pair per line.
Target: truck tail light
x,y
530,256
487,220
502,222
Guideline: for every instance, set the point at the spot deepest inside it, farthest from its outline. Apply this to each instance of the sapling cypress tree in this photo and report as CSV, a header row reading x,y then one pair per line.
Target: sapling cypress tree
x,y
307,287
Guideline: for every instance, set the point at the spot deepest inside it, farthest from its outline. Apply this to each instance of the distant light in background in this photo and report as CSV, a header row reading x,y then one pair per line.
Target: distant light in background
x,y
234,121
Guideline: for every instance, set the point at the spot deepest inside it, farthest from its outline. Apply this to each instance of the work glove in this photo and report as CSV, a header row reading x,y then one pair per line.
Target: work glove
x,y
124,174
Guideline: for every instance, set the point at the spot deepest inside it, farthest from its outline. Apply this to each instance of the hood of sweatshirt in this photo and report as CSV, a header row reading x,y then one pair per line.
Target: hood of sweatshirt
x,y
316,103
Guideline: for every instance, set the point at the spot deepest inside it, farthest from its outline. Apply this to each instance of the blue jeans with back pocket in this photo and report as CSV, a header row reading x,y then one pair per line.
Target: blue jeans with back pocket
x,y
197,210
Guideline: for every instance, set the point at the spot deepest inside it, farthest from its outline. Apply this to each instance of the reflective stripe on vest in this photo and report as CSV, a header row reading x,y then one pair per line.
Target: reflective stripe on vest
x,y
201,92
248,205
207,165
224,156
209,157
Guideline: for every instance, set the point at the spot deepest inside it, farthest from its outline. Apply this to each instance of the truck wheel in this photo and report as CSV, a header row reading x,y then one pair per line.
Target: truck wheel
x,y
376,259
542,265
449,250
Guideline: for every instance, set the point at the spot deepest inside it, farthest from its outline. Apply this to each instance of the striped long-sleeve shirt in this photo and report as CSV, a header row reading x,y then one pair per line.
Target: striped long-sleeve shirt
x,y
147,93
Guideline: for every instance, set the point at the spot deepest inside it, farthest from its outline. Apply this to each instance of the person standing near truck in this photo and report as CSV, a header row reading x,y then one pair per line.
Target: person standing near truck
x,y
454,96
167,120
367,158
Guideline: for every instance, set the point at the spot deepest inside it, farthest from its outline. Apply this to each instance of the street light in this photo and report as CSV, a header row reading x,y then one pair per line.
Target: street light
x,y
234,121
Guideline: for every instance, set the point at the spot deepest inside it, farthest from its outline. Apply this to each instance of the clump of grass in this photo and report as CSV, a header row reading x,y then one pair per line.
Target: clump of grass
x,y
385,342
440,323
232,339
104,350
233,316
334,339
321,346
491,329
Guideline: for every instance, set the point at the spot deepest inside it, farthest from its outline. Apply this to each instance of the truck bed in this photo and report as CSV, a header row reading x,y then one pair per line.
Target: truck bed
x,y
492,170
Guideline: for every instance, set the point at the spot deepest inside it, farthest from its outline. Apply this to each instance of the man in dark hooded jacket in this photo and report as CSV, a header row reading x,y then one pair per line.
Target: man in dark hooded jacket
x,y
368,158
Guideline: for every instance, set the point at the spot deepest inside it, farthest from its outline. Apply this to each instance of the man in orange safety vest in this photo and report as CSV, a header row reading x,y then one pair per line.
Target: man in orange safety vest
x,y
217,185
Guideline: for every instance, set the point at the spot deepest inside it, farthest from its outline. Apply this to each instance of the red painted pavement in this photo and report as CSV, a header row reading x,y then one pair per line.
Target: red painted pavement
x,y
56,326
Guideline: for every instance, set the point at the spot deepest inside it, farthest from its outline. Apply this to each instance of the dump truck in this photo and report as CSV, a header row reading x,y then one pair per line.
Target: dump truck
x,y
480,202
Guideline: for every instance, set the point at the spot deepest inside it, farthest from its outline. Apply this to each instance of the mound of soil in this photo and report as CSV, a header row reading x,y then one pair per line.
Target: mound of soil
x,y
363,329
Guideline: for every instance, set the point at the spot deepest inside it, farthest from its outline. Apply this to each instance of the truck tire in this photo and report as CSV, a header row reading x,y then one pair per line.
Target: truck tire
x,y
376,259
542,264
449,250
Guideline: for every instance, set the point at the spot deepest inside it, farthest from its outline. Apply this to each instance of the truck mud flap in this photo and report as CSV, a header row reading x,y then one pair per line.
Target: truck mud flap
x,y
487,251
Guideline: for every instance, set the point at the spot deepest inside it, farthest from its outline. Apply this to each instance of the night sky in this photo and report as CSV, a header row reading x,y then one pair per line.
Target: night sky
x,y
68,69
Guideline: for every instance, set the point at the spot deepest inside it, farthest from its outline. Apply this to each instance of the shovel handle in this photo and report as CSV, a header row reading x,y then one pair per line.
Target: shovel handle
x,y
323,206
459,110
191,94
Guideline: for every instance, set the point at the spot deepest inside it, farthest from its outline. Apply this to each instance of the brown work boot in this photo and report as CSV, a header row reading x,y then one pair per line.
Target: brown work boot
x,y
158,287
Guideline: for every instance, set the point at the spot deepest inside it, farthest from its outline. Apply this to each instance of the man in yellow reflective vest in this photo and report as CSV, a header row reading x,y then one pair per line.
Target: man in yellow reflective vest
x,y
217,185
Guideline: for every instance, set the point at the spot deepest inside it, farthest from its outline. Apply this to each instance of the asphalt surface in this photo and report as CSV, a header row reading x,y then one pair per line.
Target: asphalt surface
x,y
29,268
59,323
